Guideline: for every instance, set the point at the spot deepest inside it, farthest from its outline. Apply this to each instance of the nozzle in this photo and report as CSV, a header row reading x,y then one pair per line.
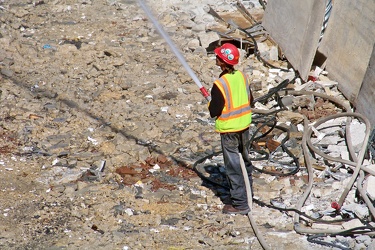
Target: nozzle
x,y
205,93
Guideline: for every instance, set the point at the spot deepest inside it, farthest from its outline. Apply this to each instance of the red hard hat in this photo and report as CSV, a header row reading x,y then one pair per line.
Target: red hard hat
x,y
228,53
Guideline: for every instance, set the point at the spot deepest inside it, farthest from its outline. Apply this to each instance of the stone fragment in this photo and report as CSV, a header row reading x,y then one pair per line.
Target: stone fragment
x,y
370,186
69,190
352,224
357,135
193,44
6,72
289,116
199,27
337,148
274,53
206,39
256,85
327,226
372,245
359,210
304,102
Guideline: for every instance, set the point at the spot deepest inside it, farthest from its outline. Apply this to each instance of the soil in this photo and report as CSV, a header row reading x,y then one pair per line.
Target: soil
x,y
100,127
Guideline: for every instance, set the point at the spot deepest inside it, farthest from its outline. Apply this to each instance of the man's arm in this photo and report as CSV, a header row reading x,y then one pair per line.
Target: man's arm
x,y
217,102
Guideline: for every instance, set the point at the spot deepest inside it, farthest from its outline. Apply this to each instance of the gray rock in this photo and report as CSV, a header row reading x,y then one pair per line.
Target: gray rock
x,y
6,72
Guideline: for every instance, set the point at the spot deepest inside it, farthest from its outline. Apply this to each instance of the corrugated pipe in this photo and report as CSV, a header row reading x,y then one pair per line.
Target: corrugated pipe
x,y
307,146
305,142
250,203
357,163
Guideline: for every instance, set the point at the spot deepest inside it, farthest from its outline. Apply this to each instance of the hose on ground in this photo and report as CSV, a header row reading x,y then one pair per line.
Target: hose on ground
x,y
308,149
305,143
307,146
358,163
250,203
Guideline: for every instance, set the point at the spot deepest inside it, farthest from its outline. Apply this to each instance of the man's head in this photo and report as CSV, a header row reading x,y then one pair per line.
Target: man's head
x,y
228,53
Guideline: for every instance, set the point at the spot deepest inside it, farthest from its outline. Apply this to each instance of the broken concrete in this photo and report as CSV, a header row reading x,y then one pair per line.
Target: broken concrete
x,y
92,82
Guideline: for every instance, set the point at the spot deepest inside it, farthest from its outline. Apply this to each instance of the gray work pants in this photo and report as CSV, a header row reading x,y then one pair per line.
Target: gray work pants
x,y
232,144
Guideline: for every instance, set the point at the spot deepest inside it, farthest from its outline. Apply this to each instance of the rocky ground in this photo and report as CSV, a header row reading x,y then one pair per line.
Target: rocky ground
x,y
102,127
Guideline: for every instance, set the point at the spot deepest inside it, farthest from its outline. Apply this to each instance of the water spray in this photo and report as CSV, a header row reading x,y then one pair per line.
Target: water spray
x,y
174,49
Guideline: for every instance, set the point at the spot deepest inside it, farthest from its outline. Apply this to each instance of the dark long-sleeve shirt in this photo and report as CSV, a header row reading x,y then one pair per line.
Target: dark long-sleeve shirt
x,y
217,102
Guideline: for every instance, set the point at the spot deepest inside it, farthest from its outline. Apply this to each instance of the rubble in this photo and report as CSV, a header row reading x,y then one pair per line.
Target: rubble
x,y
106,140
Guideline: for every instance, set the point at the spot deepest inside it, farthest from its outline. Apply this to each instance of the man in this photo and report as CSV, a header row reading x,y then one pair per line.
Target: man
x,y
230,104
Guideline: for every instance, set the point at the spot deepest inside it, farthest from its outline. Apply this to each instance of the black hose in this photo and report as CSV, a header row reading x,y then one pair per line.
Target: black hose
x,y
314,234
274,90
282,145
313,239
260,203
349,232
264,123
263,4
263,204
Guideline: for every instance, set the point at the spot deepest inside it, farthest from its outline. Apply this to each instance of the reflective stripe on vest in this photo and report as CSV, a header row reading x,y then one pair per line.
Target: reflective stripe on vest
x,y
236,114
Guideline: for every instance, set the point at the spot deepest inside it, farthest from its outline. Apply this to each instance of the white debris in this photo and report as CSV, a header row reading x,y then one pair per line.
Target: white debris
x,y
204,206
129,211
92,140
357,135
318,134
370,186
352,224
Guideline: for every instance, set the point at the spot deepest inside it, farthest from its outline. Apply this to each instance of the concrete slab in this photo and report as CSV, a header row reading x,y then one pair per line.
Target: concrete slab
x,y
348,42
296,26
366,97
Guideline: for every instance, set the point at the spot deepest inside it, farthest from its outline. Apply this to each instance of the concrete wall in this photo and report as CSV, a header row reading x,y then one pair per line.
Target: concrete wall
x,y
366,97
295,26
346,48
348,42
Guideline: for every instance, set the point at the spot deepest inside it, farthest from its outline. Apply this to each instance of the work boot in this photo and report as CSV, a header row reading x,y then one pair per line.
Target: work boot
x,y
229,209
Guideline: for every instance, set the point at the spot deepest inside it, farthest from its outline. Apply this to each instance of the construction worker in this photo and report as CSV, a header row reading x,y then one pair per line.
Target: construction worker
x,y
231,98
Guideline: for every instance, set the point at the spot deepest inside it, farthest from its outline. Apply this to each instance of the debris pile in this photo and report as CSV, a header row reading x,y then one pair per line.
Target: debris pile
x,y
107,142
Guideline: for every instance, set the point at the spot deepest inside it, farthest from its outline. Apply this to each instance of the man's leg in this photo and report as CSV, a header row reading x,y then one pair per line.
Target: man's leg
x,y
230,144
244,148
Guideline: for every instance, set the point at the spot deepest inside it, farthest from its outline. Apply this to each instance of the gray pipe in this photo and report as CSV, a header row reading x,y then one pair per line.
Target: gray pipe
x,y
250,203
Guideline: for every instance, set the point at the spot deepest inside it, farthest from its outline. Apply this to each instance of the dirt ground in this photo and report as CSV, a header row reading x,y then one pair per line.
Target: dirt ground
x,y
100,126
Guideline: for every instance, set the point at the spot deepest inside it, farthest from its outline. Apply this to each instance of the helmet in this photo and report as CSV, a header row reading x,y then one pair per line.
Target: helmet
x,y
228,53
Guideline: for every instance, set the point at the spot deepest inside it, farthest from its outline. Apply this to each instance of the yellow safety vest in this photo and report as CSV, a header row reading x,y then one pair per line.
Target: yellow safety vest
x,y
236,114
